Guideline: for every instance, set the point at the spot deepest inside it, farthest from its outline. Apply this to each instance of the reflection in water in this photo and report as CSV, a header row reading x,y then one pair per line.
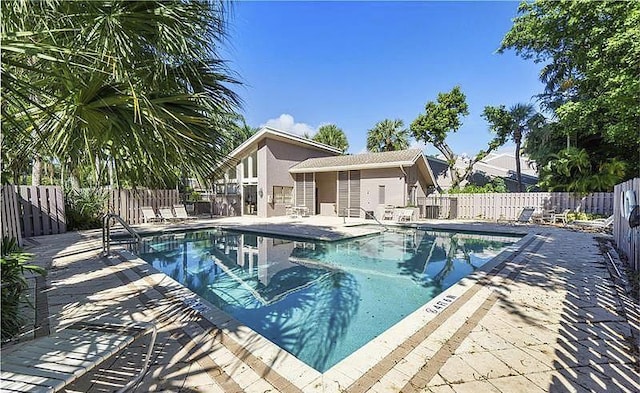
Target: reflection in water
x,y
320,301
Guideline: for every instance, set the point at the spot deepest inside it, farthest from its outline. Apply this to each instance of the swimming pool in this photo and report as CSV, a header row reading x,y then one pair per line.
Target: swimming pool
x,y
320,301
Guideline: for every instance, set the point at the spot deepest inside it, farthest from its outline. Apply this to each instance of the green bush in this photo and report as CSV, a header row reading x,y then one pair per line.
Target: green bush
x,y
495,185
85,208
582,216
194,196
13,267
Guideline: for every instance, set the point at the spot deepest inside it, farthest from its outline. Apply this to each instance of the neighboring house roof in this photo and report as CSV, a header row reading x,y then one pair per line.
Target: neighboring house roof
x,y
494,165
508,161
358,161
251,144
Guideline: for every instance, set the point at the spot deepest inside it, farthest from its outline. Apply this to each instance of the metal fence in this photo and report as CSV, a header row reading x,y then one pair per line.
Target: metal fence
x,y
627,239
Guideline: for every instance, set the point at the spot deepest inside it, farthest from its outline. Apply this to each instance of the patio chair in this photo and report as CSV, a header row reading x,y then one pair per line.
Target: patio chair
x,y
388,213
167,215
49,364
561,216
149,215
181,213
288,211
547,215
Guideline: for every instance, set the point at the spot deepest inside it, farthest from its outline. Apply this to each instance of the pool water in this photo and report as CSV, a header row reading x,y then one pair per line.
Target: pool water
x,y
320,301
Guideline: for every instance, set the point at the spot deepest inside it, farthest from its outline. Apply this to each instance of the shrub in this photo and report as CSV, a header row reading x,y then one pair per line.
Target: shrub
x,y
13,267
85,208
495,185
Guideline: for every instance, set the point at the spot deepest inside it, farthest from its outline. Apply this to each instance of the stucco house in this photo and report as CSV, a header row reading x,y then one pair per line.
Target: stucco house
x,y
349,185
274,171
255,179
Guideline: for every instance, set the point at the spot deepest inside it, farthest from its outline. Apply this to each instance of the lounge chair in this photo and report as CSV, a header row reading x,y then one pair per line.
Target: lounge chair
x,y
181,213
405,215
48,364
599,223
526,214
149,215
167,215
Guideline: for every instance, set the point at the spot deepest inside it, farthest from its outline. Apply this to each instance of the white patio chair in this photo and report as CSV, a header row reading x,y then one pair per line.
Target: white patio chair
x,y
561,216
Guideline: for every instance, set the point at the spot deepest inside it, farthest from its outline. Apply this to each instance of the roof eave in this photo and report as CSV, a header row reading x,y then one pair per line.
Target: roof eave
x,y
284,135
337,168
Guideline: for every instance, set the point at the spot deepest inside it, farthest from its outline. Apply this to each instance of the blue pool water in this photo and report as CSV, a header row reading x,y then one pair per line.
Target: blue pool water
x,y
320,301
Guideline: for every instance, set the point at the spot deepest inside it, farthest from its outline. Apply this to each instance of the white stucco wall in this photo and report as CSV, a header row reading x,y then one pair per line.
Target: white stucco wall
x,y
391,178
274,160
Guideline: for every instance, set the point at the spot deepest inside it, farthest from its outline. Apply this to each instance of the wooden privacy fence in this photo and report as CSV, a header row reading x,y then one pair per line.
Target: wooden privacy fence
x,y
508,206
32,211
626,238
10,214
40,210
127,203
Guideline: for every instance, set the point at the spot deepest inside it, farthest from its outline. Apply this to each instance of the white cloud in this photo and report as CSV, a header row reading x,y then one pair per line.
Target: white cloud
x,y
287,123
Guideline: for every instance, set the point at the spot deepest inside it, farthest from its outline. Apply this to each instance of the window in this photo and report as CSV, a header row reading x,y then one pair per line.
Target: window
x,y
245,168
254,164
250,165
220,189
381,195
232,189
283,195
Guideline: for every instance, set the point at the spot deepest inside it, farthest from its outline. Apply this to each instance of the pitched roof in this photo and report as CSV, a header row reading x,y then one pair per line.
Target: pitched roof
x,y
358,161
273,133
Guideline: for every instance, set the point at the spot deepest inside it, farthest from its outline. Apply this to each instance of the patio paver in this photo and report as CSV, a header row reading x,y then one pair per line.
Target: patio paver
x,y
550,318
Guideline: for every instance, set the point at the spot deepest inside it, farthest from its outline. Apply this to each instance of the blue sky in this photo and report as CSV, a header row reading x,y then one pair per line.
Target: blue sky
x,y
304,64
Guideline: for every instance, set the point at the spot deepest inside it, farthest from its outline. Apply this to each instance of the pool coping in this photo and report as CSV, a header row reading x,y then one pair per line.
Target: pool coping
x,y
360,361
260,230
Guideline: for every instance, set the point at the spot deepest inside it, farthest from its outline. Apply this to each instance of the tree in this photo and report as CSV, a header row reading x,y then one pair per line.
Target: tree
x,y
388,135
144,96
572,170
515,122
441,118
590,56
332,135
241,132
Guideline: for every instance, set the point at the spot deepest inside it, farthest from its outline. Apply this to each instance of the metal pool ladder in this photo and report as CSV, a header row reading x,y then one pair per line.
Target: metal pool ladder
x,y
106,233
346,211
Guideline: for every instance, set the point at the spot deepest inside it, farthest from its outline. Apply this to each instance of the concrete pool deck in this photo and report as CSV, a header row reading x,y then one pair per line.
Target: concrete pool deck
x,y
547,317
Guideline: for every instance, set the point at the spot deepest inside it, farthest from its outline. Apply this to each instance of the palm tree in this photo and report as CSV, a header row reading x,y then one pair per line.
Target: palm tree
x,y
515,122
143,87
388,135
331,135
